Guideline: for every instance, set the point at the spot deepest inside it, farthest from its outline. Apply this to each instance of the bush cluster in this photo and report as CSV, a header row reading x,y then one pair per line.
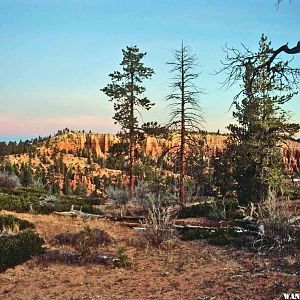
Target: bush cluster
x,y
215,236
15,249
84,240
280,226
58,256
85,244
68,257
158,225
15,203
8,182
217,210
199,210
11,221
34,200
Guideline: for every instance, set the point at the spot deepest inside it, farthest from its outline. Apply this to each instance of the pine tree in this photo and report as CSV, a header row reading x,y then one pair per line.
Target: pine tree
x,y
262,124
98,182
56,187
80,190
127,95
26,175
9,167
67,190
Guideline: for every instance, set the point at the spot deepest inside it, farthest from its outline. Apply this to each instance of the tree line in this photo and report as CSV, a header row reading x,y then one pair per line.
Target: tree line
x,y
253,166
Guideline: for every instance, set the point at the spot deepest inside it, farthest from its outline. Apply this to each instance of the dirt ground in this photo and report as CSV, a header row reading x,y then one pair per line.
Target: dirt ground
x,y
184,270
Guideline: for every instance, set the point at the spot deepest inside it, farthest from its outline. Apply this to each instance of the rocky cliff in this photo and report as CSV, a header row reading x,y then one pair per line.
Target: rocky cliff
x,y
70,151
100,143
73,142
213,143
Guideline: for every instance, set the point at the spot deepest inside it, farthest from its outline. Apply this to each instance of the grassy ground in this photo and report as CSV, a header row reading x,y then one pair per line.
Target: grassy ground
x,y
182,270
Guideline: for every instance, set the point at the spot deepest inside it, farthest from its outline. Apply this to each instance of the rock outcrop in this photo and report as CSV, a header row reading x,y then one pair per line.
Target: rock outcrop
x,y
72,149
99,144
291,155
74,142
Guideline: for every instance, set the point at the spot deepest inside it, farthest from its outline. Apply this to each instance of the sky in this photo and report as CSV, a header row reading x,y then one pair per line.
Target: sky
x,y
55,56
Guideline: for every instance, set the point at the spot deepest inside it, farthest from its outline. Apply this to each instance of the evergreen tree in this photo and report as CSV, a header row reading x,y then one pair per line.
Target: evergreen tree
x,y
80,190
69,174
56,187
9,168
98,182
89,159
62,165
44,176
126,92
67,190
26,175
262,124
56,163
222,178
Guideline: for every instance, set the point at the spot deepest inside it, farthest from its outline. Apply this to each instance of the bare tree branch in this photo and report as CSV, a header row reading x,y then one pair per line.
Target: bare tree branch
x,y
237,61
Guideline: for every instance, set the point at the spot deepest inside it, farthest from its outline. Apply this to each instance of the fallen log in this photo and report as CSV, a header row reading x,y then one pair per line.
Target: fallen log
x,y
178,224
73,213
130,224
127,218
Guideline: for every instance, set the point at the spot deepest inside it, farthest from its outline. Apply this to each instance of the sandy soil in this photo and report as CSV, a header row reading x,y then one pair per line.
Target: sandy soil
x,y
186,270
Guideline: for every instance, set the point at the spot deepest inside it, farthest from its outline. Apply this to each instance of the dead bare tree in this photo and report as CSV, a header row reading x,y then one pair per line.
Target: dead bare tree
x,y
186,114
238,60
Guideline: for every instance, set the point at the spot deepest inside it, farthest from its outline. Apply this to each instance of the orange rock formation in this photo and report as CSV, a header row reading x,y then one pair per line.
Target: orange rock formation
x,y
67,145
213,144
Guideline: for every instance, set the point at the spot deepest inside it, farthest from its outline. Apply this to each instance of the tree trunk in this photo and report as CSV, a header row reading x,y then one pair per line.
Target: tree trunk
x,y
132,141
182,137
131,166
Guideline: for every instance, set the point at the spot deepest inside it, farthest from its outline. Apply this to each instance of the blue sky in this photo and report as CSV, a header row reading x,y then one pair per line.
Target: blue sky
x,y
56,55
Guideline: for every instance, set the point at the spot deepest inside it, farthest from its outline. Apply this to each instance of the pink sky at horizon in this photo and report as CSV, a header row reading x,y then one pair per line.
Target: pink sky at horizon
x,y
15,126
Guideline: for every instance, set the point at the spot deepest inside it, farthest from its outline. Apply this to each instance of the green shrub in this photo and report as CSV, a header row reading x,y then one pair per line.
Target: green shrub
x,y
295,194
14,203
224,209
11,221
15,249
119,196
122,259
190,234
33,200
216,210
199,210
94,200
230,204
215,236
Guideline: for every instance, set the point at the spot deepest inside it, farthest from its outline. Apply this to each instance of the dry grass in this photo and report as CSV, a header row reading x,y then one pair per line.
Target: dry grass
x,y
15,228
181,270
280,228
158,226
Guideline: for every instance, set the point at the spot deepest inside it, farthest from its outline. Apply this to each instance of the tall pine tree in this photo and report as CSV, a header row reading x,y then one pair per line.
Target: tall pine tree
x,y
127,95
261,126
